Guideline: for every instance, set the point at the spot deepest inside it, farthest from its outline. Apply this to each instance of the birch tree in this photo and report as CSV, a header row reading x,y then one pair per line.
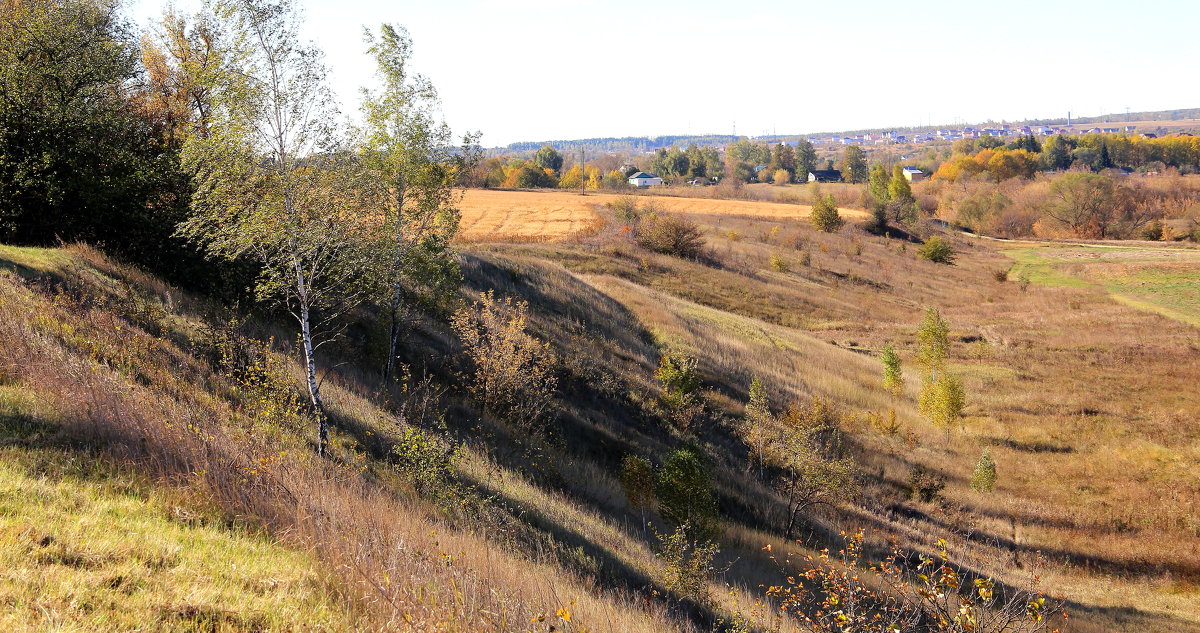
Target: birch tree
x,y
414,166
271,180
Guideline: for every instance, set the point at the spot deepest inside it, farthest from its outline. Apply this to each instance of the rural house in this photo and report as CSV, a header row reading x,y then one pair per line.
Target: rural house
x,y
912,174
642,180
824,175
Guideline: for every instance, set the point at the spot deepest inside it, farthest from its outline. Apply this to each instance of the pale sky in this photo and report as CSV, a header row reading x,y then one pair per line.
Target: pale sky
x,y
531,70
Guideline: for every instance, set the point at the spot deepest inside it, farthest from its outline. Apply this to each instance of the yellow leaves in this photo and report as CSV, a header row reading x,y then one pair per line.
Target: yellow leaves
x,y
564,613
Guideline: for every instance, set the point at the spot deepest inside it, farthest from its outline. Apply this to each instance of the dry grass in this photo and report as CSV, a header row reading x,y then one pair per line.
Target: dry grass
x,y
534,216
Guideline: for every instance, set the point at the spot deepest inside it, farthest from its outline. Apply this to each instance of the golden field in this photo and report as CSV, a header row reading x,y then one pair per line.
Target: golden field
x,y
533,216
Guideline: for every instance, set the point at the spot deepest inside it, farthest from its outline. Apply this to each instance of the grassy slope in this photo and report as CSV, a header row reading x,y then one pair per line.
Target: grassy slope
x,y
1064,390
1078,398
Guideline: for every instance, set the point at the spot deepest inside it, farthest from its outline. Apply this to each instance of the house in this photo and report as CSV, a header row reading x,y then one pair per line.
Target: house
x,y
824,175
642,180
912,174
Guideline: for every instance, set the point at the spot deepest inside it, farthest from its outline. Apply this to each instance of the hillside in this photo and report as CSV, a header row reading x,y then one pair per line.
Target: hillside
x,y
124,392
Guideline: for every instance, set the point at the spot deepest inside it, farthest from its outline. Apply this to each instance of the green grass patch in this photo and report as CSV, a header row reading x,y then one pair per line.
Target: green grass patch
x,y
86,548
27,260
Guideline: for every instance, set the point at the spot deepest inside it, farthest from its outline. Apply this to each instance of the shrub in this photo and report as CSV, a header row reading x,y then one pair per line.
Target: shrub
x,y
1153,231
984,477
894,595
824,216
425,460
937,250
683,486
680,380
625,208
637,479
1000,274
513,371
924,484
670,234
781,177
687,564
779,263
942,400
893,376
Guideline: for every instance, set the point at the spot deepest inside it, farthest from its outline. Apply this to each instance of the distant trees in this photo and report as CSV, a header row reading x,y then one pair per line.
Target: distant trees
x,y
878,182
548,158
1096,206
824,215
806,159
854,164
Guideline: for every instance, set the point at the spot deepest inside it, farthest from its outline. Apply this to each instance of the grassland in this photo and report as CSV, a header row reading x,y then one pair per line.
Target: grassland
x,y
1161,279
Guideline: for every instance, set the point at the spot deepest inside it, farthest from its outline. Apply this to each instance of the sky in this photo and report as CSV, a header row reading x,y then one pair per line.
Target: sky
x,y
532,70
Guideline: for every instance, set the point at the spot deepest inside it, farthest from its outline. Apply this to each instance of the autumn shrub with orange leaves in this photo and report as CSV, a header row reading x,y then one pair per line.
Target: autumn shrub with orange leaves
x,y
838,593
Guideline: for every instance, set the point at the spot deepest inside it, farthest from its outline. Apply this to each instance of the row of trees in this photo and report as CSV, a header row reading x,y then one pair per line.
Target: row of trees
x,y
1025,156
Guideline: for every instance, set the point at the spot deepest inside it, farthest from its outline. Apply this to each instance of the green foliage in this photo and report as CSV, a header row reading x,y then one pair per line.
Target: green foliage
x,y
625,208
411,168
983,479
899,189
778,263
933,339
942,400
426,461
824,216
937,249
86,153
683,486
1153,231
679,379
879,181
687,564
893,376
854,165
670,234
548,158
810,455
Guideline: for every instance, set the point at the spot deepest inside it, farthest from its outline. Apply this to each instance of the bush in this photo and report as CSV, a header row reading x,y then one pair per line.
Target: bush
x,y
683,487
513,371
825,217
924,484
779,263
625,208
937,250
942,400
425,461
671,234
1153,231
781,177
680,380
1000,274
984,477
687,565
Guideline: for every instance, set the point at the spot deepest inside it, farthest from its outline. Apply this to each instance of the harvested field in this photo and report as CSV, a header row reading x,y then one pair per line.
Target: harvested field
x,y
534,216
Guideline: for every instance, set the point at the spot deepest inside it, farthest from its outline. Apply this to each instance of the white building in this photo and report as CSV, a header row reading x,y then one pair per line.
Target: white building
x,y
642,180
